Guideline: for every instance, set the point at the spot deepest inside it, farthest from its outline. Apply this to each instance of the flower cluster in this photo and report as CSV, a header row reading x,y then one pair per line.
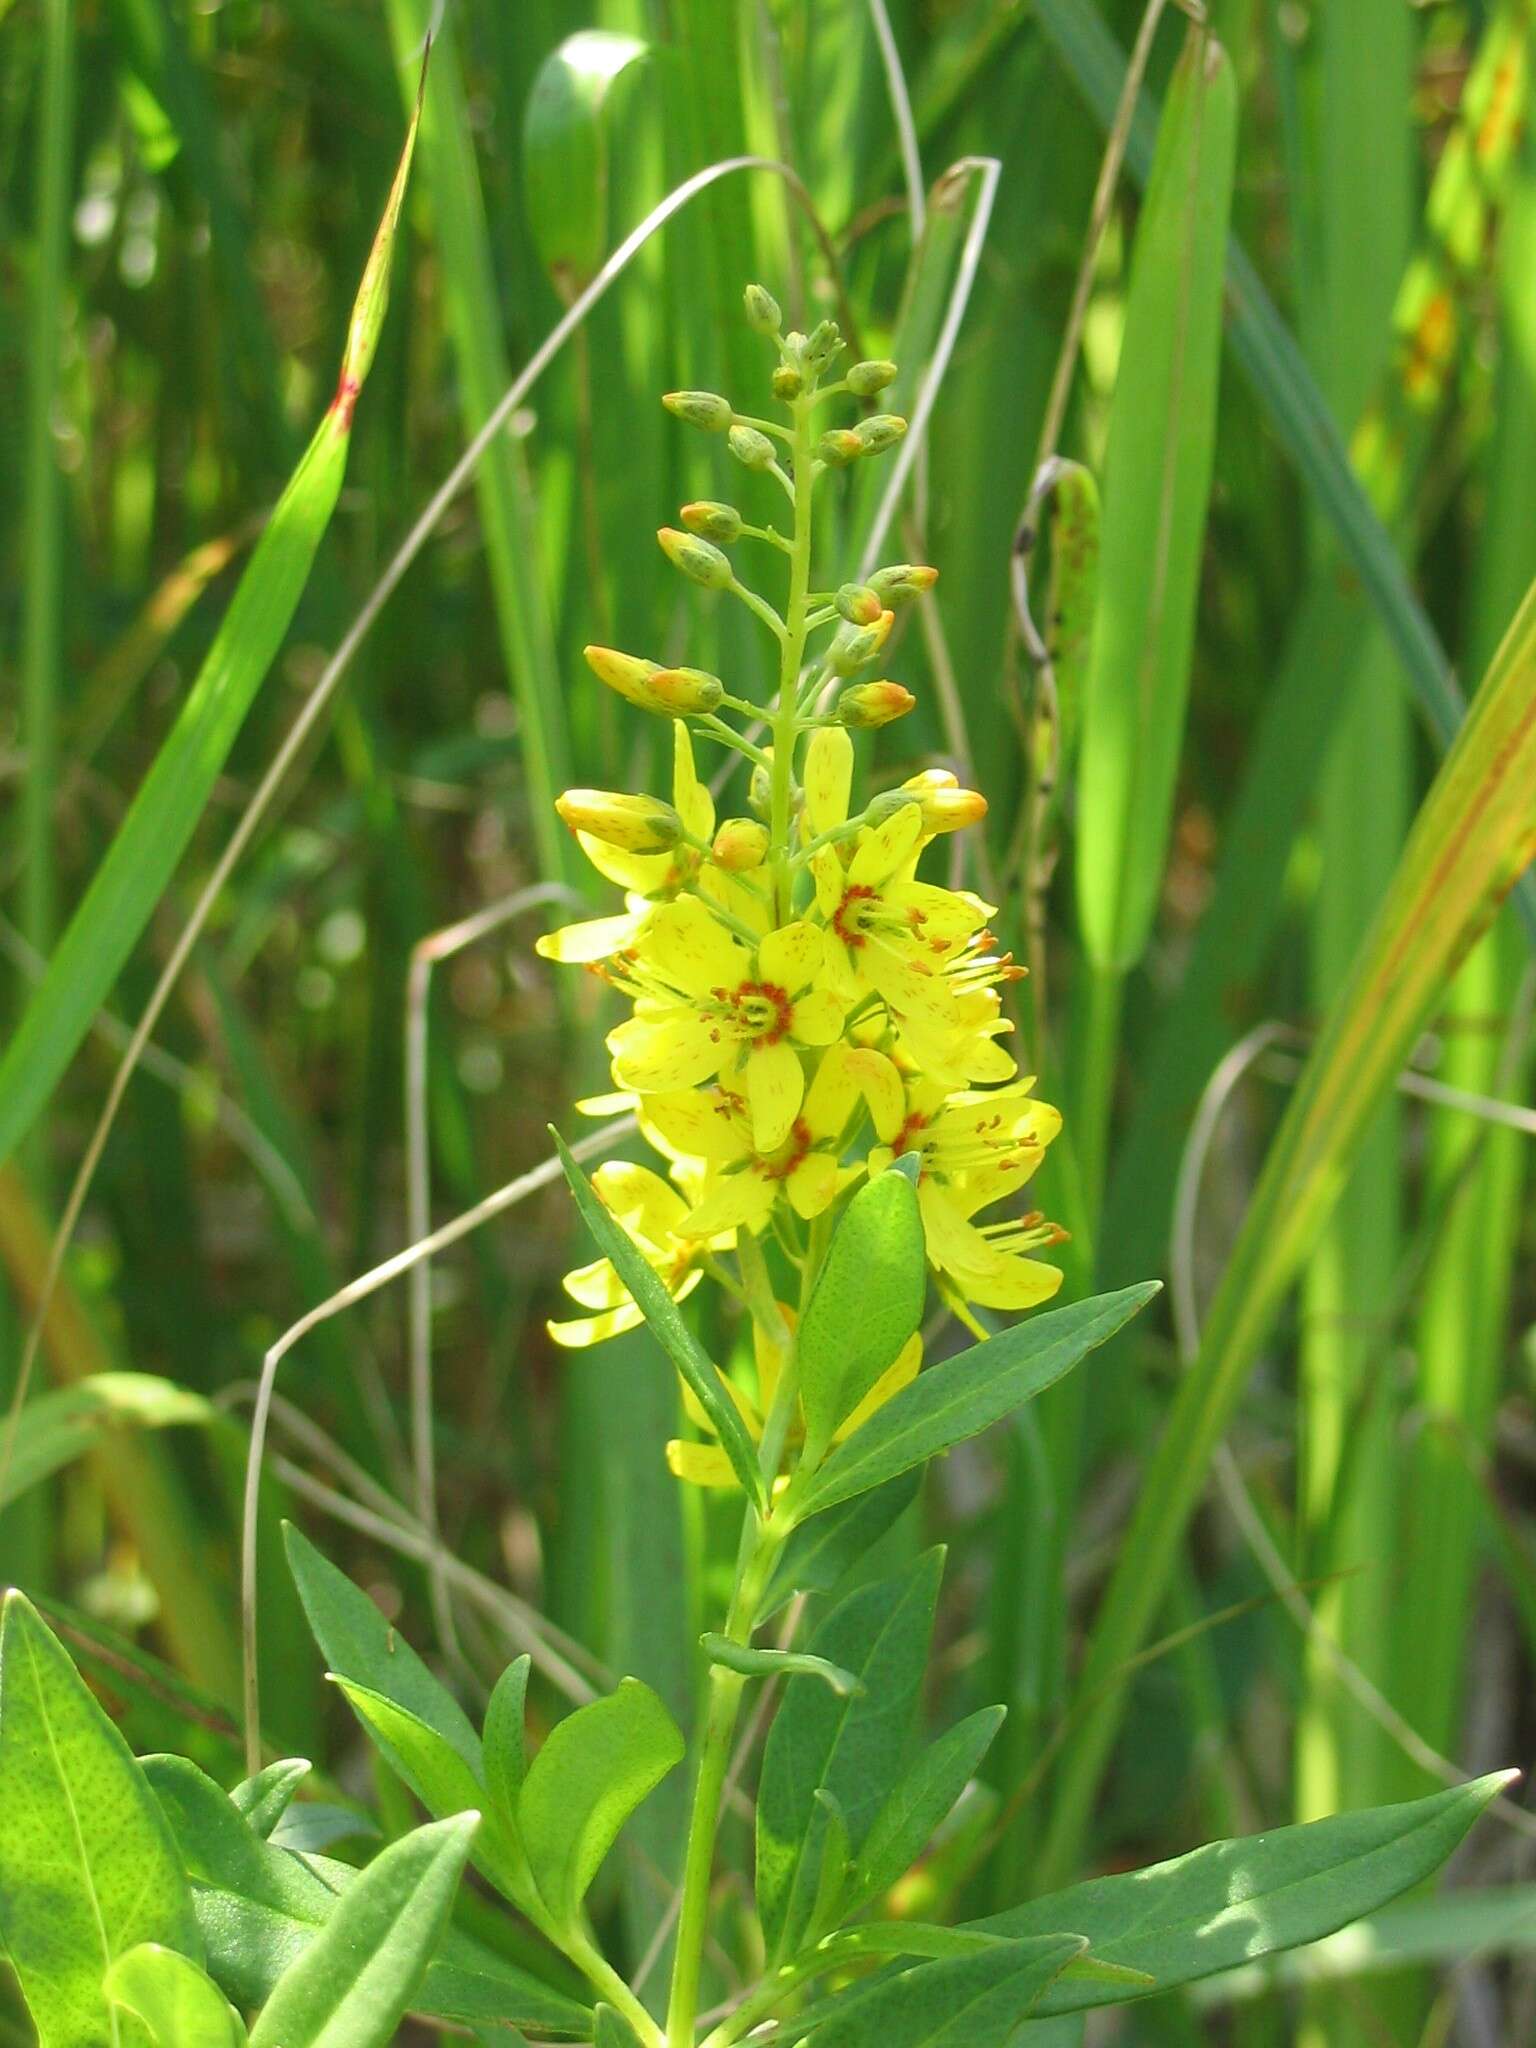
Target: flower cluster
x,y
803,1008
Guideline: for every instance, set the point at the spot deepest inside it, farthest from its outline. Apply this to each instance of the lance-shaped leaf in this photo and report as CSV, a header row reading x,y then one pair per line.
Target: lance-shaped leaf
x,y
1232,1902
593,1771
353,1983
506,1760
266,1797
962,1396
820,1554
1157,482
1473,837
918,1802
975,2001
88,1869
666,1323
565,152
163,815
850,1748
867,1302
58,1427
178,2003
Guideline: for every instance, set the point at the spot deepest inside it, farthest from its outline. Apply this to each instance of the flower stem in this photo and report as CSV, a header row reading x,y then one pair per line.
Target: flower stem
x,y
791,655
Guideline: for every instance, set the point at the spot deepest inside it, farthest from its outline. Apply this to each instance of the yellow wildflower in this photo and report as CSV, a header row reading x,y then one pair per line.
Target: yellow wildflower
x,y
651,1213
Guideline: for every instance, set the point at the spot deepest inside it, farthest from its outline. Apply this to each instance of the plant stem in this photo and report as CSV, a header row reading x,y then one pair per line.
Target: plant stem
x,y
791,655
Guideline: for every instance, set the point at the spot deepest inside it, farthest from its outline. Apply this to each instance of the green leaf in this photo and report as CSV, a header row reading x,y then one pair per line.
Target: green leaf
x,y
504,1741
820,1554
177,2002
593,1770
962,1396
264,1799
1232,1902
88,1869
56,1428
1157,482
920,1800
351,1986
851,1748
972,2001
445,1785
866,1304
666,1322
829,1853
754,1663
259,1907
908,1938
1073,597
565,153
360,1645
612,2030
163,815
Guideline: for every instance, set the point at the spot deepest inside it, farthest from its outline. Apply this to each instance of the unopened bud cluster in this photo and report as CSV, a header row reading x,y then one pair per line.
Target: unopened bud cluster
x,y
805,1010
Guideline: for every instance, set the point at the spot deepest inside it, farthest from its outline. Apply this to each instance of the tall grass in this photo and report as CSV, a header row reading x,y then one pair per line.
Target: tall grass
x,y
1300,838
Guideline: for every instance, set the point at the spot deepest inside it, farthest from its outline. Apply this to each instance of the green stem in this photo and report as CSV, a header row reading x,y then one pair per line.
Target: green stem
x,y
609,1985
791,656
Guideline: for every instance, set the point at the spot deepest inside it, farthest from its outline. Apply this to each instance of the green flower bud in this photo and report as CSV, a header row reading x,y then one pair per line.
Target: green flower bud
x,y
635,824
902,581
717,522
852,646
696,558
865,705
787,382
823,345
865,379
705,409
763,313
685,690
880,432
838,447
858,604
750,447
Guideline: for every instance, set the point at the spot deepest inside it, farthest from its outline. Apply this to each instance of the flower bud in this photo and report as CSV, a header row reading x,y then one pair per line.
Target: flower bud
x,y
865,705
705,409
887,804
858,604
707,516
881,431
763,314
696,558
946,806
852,646
787,382
685,690
902,581
750,447
629,674
865,379
760,786
823,344
635,824
838,447
741,844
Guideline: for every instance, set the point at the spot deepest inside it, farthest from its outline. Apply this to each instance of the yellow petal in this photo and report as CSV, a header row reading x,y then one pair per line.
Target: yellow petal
x,y
791,957
882,1090
891,1381
656,1054
644,873
582,1331
818,1018
775,1090
574,945
827,778
596,1286
736,1201
882,849
690,797
695,1123
640,1199
813,1185
687,945
700,1464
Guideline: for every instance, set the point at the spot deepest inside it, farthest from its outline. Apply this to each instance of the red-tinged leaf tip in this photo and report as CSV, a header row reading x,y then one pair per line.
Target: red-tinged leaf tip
x,y
373,292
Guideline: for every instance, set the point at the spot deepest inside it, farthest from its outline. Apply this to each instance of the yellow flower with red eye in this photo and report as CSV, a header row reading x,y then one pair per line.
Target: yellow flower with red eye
x,y
975,1147
707,1132
651,1213
706,1464
708,1005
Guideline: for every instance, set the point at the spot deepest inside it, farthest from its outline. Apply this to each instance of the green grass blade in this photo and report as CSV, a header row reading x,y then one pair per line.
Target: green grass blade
x,y
1473,837
164,813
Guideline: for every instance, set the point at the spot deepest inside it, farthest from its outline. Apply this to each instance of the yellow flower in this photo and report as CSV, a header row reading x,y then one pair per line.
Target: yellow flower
x,y
975,1147
650,1212
707,1464
708,1005
710,1130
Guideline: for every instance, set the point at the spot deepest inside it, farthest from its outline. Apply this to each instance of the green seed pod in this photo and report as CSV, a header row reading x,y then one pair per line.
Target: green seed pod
x,y
880,432
852,646
838,447
685,690
763,313
858,604
750,448
696,558
866,705
902,582
717,522
787,382
865,379
705,409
